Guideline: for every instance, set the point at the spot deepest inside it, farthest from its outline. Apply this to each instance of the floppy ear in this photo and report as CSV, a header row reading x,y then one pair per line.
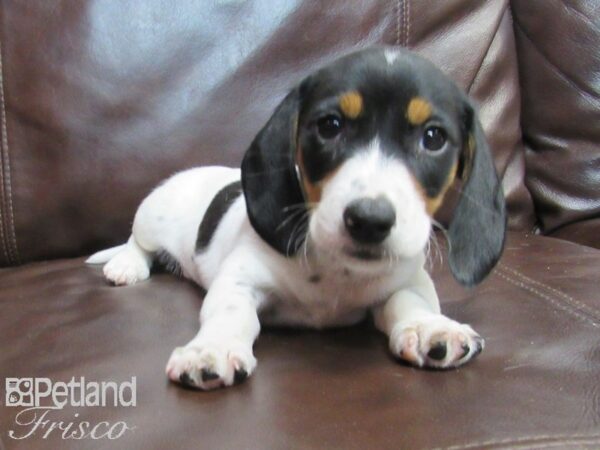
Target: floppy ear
x,y
477,229
274,198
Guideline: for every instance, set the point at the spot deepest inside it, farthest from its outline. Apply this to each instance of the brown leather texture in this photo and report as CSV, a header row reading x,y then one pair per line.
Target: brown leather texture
x,y
559,66
534,386
102,100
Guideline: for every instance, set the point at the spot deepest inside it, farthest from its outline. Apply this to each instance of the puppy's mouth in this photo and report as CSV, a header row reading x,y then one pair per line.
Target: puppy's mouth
x,y
364,253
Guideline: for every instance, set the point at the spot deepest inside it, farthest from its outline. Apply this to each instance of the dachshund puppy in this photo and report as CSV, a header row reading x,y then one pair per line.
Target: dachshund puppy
x,y
329,219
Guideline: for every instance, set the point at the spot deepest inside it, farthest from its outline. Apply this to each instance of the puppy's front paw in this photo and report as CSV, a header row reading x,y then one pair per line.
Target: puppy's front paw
x,y
210,366
435,341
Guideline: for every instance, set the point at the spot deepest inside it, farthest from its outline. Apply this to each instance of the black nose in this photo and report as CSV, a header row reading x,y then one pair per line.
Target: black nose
x,y
369,220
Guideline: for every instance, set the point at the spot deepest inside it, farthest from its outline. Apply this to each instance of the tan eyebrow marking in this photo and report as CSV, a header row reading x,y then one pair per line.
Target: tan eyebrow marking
x,y
351,104
418,111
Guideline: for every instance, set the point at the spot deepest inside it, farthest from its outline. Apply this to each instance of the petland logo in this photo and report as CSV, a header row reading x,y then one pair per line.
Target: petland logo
x,y
41,397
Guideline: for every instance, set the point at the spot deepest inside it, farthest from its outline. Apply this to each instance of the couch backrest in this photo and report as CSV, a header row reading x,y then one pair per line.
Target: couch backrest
x,y
558,46
102,100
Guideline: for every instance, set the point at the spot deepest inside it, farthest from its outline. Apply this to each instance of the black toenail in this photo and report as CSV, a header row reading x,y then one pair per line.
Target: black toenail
x,y
466,349
240,375
479,348
185,379
207,375
438,351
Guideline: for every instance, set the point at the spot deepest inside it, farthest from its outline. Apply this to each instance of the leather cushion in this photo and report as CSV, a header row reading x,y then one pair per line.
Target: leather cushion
x,y
535,384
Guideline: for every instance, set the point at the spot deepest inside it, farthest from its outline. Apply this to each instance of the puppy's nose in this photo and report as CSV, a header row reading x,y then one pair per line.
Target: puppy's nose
x,y
369,220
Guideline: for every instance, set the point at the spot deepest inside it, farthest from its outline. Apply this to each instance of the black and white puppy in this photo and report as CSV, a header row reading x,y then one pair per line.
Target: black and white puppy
x,y
329,219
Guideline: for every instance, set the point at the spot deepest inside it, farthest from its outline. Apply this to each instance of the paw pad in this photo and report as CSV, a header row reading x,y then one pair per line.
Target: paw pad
x,y
438,351
209,367
436,342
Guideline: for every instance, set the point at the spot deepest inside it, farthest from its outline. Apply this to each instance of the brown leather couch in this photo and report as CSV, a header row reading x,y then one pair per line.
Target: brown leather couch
x,y
101,100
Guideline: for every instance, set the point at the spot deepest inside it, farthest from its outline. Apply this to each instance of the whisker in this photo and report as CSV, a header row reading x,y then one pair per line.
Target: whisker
x,y
297,210
306,250
434,253
390,259
302,243
433,238
300,235
292,216
296,228
295,207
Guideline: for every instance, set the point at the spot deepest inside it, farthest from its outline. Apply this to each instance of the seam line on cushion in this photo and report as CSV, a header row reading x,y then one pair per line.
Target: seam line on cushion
x,y
3,241
406,22
402,10
11,238
569,299
3,223
487,50
2,237
557,303
525,440
397,8
403,21
576,443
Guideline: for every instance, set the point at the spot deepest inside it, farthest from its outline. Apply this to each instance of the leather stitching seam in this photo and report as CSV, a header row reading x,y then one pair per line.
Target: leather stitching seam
x,y
575,303
398,22
536,441
402,10
577,443
6,184
557,303
407,23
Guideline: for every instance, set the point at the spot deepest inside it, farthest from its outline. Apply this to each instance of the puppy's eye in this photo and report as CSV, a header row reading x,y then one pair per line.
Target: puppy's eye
x,y
330,126
434,139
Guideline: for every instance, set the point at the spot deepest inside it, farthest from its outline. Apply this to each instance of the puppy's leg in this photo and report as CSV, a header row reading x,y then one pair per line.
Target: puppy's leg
x,y
130,265
150,233
221,353
420,334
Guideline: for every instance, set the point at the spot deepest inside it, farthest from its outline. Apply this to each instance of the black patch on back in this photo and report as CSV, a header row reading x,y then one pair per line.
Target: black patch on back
x,y
215,212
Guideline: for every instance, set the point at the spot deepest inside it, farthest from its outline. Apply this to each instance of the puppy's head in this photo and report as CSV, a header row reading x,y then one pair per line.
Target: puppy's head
x,y
360,155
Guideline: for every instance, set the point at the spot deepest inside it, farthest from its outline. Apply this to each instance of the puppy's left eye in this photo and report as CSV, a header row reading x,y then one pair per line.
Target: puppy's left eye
x,y
330,126
434,138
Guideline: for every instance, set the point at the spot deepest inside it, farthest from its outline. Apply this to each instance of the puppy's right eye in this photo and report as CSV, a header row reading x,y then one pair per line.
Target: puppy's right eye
x,y
330,126
434,139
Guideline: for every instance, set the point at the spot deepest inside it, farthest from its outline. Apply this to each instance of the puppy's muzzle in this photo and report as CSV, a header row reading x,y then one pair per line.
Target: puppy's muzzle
x,y
369,220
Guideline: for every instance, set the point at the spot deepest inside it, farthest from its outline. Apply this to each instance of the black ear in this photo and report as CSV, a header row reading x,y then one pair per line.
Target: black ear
x,y
477,230
274,199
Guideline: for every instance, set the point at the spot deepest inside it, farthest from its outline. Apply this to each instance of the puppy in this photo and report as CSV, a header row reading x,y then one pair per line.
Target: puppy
x,y
329,219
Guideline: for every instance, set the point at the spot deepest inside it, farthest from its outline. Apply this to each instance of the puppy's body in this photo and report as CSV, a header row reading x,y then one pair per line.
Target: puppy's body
x,y
339,190
312,290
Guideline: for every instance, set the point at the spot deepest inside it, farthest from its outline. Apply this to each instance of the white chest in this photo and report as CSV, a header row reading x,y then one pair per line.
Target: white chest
x,y
321,295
